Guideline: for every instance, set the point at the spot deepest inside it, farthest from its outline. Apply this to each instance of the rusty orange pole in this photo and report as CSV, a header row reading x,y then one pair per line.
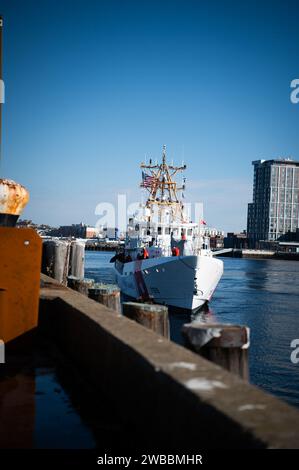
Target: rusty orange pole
x,y
1,87
20,255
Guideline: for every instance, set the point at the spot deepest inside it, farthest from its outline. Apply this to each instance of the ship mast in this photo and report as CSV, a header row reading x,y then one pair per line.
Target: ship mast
x,y
162,188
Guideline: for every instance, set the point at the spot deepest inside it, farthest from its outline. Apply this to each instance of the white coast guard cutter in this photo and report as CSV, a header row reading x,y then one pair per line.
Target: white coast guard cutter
x,y
165,257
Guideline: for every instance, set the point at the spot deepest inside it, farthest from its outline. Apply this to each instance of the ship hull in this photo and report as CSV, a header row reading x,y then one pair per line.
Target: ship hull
x,y
186,282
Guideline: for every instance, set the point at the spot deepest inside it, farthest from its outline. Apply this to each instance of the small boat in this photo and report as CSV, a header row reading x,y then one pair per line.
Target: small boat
x,y
166,258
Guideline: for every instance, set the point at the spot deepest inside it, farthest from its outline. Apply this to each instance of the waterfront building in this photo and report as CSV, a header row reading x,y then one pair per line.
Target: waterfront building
x,y
212,232
236,240
216,242
77,231
275,207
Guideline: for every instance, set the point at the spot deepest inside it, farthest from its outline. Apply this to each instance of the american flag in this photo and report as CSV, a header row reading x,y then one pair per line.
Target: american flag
x,y
147,180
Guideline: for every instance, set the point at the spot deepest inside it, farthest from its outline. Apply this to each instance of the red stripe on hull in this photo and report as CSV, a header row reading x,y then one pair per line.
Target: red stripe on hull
x,y
141,286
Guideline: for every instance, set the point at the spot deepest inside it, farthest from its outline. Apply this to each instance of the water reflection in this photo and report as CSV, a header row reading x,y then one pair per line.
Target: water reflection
x,y
204,315
256,275
46,403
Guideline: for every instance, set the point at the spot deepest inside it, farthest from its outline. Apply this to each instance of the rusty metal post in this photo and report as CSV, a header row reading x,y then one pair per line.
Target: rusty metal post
x,y
152,316
106,294
225,345
20,257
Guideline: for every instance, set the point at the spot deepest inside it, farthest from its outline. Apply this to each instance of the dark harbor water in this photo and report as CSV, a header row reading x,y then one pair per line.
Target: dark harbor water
x,y
45,402
262,294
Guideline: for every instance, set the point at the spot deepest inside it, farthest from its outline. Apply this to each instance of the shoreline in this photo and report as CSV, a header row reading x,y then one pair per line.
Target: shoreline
x,y
260,254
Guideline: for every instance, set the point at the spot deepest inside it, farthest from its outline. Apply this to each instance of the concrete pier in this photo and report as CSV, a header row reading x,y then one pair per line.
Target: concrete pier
x,y
165,394
256,254
101,245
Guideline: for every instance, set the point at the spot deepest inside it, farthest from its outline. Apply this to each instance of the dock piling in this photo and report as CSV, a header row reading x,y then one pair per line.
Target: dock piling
x,y
224,344
77,259
55,259
80,285
106,294
152,316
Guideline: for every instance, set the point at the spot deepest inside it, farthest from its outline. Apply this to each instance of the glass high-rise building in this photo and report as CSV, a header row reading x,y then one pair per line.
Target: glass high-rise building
x,y
275,207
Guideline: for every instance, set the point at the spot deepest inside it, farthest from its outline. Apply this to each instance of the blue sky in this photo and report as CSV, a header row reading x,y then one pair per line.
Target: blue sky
x,y
92,86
